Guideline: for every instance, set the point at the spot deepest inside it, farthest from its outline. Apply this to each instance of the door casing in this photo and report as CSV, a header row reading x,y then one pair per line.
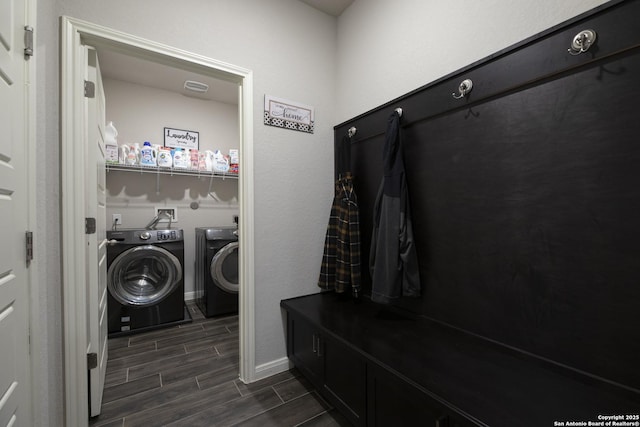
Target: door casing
x,y
74,34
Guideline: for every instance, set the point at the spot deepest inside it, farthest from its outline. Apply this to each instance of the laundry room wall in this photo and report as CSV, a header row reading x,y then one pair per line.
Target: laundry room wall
x,y
387,49
140,114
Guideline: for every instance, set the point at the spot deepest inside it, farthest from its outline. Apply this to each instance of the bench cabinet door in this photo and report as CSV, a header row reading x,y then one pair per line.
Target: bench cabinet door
x,y
395,402
345,379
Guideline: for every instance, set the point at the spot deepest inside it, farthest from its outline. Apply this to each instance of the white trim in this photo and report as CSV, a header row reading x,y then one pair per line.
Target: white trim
x,y
35,332
74,33
246,235
74,316
271,368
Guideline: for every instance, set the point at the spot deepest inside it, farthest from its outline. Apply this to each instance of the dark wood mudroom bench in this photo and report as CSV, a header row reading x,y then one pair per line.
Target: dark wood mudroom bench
x,y
383,367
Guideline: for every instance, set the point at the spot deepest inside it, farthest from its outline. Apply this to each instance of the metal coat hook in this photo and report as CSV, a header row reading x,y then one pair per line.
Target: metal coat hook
x,y
464,88
352,131
399,111
582,42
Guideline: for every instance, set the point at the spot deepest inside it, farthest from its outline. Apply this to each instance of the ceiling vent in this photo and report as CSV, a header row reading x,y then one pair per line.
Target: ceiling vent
x,y
196,86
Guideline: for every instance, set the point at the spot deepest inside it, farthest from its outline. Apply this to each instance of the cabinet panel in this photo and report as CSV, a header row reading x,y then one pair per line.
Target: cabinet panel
x,y
337,371
345,376
394,402
303,348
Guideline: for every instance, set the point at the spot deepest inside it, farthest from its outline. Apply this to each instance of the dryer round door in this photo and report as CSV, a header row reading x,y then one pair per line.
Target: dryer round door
x,y
224,268
143,275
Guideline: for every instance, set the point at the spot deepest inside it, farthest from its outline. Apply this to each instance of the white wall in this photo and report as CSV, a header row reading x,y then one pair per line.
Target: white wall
x,y
140,114
389,48
384,49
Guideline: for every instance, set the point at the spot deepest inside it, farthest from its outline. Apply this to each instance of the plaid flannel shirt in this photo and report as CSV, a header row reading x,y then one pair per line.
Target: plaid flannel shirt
x,y
341,259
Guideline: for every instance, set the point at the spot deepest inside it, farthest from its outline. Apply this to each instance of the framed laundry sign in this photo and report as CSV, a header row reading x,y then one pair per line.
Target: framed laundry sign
x,y
179,138
287,114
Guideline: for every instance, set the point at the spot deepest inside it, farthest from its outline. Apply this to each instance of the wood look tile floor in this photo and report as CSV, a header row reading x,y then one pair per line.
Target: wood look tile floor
x,y
187,375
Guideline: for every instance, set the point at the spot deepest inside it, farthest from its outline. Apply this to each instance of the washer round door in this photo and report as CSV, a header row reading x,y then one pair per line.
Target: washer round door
x,y
224,268
143,275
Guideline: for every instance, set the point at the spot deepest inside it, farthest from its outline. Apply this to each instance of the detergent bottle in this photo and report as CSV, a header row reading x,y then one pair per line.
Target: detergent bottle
x,y
111,152
136,150
148,155
194,159
202,161
220,162
165,159
123,153
132,157
234,160
180,160
208,161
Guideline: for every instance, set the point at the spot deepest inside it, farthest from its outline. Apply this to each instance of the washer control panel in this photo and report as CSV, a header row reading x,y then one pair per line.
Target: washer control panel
x,y
144,236
167,235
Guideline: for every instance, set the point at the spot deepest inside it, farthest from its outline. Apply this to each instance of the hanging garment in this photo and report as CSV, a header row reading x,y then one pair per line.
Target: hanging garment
x,y
392,259
340,268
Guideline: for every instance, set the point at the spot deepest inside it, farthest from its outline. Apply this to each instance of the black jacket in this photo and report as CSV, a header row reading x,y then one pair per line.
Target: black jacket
x,y
393,261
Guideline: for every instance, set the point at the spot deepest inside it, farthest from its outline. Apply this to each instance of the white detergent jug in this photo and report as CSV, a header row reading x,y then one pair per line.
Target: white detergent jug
x,y
208,160
123,153
132,158
148,155
220,162
111,144
136,150
164,157
180,160
110,133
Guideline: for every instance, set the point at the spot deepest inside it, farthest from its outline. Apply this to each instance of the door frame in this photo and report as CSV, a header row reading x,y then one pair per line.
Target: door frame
x,y
74,34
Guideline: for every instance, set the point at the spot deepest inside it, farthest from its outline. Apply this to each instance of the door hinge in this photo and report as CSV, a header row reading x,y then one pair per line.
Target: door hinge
x,y
29,246
89,225
89,89
92,360
28,41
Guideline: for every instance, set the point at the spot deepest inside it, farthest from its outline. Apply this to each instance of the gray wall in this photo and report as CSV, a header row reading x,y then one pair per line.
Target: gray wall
x,y
373,53
389,48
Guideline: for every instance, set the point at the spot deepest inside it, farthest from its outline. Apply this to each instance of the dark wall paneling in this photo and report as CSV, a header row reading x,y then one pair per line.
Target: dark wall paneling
x,y
526,195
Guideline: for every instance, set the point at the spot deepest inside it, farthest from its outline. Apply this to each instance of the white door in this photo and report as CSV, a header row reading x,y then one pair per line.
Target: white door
x,y
14,316
95,198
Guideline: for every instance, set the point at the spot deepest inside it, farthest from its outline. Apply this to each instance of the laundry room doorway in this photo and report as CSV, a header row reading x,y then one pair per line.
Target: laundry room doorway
x,y
76,36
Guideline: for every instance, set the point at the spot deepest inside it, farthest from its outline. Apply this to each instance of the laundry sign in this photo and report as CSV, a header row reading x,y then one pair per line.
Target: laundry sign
x,y
179,138
288,114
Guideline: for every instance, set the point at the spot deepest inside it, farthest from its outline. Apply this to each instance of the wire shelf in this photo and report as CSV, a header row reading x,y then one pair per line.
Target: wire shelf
x,y
170,171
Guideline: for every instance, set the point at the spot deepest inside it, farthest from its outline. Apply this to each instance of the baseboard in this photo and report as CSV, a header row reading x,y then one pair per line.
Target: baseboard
x,y
189,296
271,368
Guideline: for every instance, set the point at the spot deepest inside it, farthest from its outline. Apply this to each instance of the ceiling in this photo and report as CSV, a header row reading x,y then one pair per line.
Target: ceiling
x,y
130,69
332,7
